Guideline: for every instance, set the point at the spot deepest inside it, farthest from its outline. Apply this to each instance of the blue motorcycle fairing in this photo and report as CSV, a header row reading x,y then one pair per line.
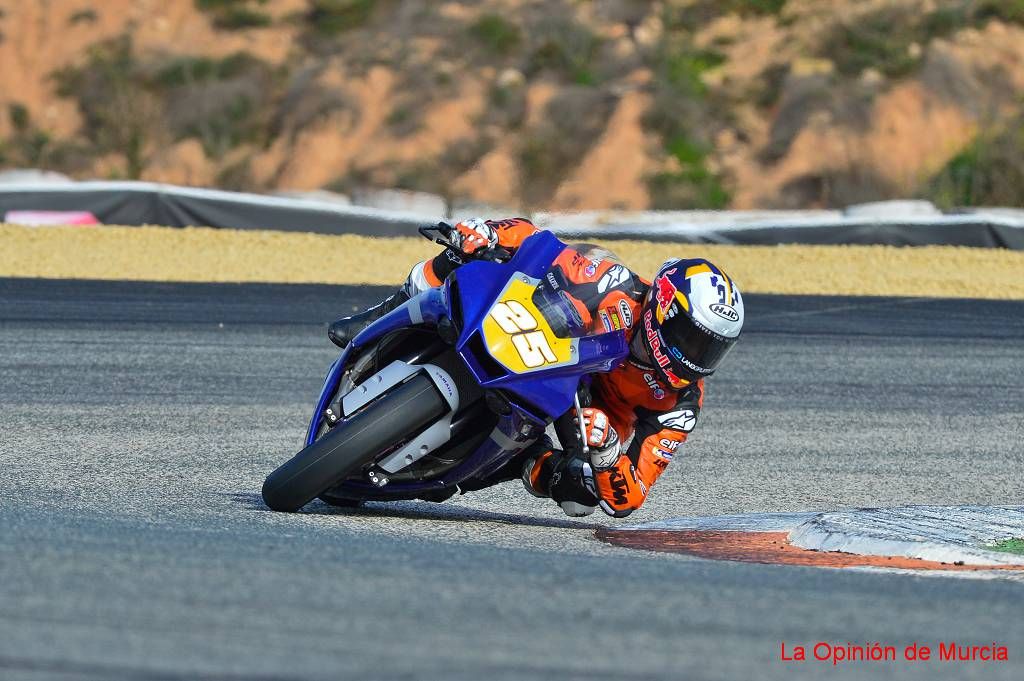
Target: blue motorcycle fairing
x,y
426,308
550,390
486,279
545,394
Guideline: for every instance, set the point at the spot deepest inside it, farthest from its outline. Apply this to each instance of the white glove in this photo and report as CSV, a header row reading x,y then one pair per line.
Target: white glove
x,y
474,236
605,447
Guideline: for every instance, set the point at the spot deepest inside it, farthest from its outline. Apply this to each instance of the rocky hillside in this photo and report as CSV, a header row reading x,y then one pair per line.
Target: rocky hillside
x,y
527,103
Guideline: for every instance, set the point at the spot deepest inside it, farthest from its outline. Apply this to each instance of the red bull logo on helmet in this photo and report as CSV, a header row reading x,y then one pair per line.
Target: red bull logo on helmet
x,y
654,340
665,290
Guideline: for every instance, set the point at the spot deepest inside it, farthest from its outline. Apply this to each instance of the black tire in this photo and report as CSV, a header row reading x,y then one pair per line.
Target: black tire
x,y
348,446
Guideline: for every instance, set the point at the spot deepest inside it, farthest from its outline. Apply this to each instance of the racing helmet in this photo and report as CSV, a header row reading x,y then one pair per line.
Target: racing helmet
x,y
691,317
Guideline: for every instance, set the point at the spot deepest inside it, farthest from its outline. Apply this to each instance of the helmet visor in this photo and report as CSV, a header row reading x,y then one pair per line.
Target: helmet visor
x,y
695,350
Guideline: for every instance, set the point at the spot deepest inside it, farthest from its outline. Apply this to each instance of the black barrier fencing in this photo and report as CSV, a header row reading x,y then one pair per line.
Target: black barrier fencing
x,y
143,203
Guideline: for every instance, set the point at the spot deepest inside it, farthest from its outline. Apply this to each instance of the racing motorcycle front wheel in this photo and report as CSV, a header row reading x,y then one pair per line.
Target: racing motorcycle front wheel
x,y
356,441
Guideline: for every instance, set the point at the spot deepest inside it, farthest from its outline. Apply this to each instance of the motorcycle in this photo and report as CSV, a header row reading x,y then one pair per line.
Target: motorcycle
x,y
441,392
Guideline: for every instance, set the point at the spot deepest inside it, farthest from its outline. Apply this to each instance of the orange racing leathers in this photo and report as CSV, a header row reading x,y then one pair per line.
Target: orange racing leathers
x,y
651,418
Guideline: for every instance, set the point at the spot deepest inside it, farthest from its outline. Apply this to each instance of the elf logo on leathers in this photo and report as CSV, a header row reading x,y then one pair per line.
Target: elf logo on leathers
x,y
616,275
725,311
668,444
656,390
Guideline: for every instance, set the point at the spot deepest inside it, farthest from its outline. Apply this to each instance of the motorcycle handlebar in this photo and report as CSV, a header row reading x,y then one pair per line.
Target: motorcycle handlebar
x,y
442,228
498,254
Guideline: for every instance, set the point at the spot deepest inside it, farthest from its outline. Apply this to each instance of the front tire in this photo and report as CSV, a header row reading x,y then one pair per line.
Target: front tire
x,y
350,445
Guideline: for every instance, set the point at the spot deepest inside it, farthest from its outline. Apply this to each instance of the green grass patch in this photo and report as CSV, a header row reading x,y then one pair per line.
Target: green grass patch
x,y
550,150
568,49
240,18
119,113
1009,546
134,105
880,40
233,15
85,16
693,186
187,70
696,14
1011,11
683,114
19,116
684,69
333,17
989,172
755,7
30,146
496,33
944,21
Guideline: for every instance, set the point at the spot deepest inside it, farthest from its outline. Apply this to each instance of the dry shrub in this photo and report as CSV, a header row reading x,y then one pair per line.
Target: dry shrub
x,y
574,120
989,172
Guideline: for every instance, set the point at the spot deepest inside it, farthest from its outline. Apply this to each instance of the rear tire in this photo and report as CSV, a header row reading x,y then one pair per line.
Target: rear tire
x,y
344,449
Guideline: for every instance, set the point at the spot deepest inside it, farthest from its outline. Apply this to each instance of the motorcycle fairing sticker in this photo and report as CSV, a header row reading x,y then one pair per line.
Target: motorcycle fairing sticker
x,y
519,337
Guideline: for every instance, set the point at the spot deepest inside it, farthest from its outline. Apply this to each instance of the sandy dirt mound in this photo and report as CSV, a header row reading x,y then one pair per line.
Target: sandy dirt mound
x,y
217,255
555,105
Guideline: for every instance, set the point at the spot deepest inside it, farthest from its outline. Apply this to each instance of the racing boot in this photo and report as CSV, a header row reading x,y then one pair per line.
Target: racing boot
x,y
345,329
554,475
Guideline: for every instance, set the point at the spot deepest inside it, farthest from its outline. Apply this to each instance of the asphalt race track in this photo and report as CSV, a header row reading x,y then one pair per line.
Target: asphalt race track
x,y
139,421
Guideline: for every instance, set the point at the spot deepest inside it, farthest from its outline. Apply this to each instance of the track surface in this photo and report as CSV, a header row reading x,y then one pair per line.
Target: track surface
x,y
140,419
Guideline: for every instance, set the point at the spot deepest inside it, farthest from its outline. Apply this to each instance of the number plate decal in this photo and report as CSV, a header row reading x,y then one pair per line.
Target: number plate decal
x,y
518,336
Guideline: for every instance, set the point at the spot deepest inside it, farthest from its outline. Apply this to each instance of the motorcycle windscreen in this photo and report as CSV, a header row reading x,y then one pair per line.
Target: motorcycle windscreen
x,y
568,316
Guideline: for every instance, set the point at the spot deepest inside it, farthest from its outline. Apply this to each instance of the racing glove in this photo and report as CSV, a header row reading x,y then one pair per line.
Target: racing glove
x,y
605,447
474,236
610,477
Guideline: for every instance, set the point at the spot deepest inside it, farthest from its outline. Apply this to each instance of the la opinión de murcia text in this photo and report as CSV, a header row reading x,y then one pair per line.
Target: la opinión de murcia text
x,y
845,653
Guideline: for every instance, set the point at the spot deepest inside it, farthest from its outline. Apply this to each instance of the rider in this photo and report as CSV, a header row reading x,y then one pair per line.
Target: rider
x,y
679,329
